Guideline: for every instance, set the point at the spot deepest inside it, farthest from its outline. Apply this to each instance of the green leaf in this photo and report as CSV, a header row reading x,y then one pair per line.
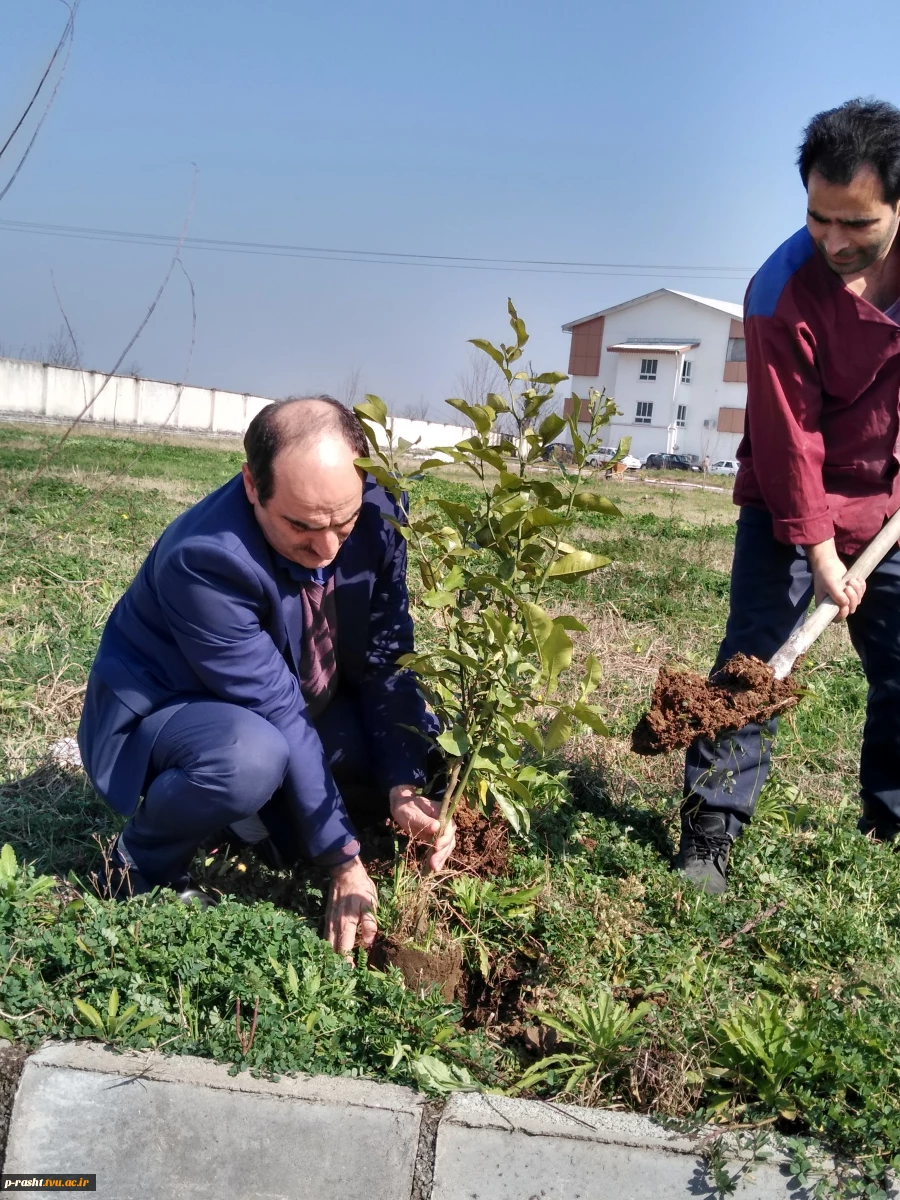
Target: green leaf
x,y
540,517
88,1011
558,731
126,1016
379,473
577,562
488,349
460,513
551,427
482,416
511,811
567,622
454,579
9,868
593,673
592,502
439,599
293,979
539,622
455,741
113,1006
374,409
517,324
529,731
552,378
556,655
145,1023
589,716
433,1075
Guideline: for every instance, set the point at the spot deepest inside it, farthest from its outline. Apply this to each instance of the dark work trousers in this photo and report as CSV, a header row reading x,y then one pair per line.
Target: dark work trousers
x,y
214,763
771,589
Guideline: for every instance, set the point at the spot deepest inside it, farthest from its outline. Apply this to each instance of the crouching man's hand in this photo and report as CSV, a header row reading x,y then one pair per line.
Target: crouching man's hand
x,y
352,902
417,817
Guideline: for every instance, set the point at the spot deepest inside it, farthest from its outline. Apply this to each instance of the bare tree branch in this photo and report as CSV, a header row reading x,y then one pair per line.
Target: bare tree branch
x,y
349,390
416,411
54,452
68,35
480,377
62,41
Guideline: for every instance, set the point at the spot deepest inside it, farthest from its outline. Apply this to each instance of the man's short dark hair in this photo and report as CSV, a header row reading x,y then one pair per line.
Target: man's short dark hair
x,y
299,419
860,133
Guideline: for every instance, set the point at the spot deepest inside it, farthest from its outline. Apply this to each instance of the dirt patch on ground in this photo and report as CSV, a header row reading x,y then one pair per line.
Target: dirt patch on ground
x,y
482,843
498,1002
685,705
12,1059
422,969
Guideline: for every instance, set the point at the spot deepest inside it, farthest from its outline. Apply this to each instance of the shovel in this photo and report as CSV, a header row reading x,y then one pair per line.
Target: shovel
x,y
782,661
685,705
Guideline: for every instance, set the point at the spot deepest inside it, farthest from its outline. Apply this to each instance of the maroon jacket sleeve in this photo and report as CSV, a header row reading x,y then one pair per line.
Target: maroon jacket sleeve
x,y
784,409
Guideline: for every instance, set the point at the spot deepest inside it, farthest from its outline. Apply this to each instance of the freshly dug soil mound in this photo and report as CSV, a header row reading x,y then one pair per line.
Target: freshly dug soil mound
x,y
685,705
482,843
422,969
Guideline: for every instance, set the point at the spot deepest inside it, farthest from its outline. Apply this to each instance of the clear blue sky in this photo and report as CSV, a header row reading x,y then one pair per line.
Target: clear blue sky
x,y
649,133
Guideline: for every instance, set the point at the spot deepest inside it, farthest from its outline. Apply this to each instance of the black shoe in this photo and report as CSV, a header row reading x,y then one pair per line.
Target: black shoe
x,y
120,881
878,831
703,854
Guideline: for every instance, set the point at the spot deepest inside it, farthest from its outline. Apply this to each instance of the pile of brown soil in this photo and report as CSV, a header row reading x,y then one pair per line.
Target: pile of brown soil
x,y
422,969
482,843
685,705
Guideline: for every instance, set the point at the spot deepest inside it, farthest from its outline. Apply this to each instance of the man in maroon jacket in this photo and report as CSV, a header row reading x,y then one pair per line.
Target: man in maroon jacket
x,y
819,468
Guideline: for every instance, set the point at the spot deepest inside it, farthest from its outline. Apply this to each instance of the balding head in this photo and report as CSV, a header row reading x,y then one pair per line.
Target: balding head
x,y
301,478
300,422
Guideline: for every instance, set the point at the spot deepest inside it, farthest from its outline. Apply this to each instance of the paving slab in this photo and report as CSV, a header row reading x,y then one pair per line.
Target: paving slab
x,y
153,1127
495,1148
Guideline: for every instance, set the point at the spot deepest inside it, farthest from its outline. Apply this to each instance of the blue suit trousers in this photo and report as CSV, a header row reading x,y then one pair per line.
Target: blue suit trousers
x,y
771,589
214,763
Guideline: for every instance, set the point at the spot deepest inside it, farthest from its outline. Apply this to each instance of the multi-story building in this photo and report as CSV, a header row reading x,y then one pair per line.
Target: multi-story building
x,y
676,367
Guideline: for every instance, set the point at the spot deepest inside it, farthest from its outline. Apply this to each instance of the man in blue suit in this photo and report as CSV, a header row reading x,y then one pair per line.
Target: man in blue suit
x,y
248,675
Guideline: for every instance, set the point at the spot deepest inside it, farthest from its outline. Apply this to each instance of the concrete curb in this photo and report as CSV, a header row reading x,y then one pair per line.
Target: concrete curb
x,y
153,1127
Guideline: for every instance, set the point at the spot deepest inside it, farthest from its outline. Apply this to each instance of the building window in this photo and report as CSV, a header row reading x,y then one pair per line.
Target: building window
x,y
686,371
648,368
731,420
737,350
681,416
644,414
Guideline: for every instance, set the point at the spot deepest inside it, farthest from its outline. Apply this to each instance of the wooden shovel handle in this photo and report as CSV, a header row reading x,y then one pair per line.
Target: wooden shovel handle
x,y
821,617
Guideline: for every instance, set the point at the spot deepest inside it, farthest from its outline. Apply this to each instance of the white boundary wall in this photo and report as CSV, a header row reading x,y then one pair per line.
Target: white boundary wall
x,y
37,392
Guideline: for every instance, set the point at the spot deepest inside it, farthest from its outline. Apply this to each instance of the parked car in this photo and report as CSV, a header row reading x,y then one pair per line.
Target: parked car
x,y
670,462
603,454
558,452
725,466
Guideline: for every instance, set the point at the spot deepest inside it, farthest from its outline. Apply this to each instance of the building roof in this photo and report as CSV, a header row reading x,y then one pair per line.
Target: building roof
x,y
656,345
733,310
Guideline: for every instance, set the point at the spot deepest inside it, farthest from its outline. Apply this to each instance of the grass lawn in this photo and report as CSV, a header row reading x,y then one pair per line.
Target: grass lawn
x,y
590,965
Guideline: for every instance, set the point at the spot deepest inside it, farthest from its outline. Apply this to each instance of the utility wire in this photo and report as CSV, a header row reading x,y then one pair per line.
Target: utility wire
x,y
384,257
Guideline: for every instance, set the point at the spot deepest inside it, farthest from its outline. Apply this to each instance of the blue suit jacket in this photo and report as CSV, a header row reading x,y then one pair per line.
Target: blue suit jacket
x,y
204,618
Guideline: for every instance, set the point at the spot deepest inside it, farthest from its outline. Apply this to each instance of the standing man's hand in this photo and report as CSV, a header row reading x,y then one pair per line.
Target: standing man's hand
x,y
352,902
828,579
418,818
